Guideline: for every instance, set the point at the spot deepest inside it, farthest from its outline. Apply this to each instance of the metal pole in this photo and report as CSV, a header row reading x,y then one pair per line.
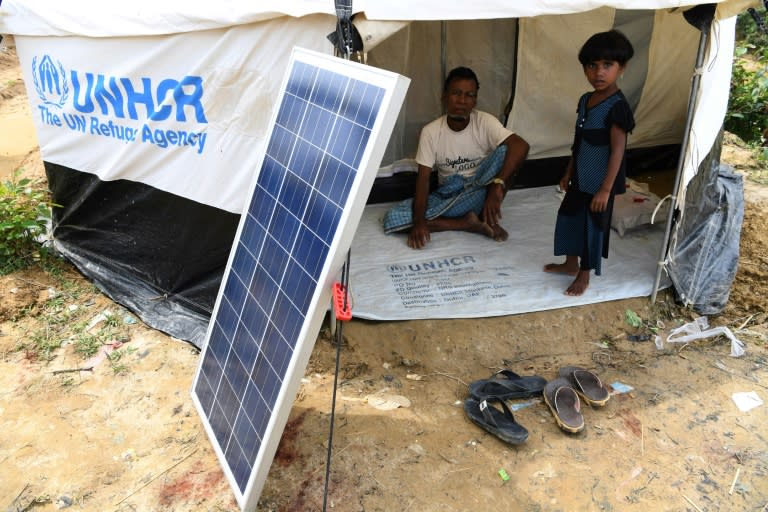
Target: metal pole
x,y
443,42
684,150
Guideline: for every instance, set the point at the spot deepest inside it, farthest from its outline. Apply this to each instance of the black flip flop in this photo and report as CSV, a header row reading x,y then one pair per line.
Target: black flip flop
x,y
506,384
587,385
502,424
565,405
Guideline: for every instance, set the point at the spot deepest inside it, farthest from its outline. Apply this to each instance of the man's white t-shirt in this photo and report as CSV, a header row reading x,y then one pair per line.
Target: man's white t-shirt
x,y
459,152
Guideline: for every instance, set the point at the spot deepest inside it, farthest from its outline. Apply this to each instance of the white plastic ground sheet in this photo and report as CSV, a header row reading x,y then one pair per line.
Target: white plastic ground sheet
x,y
464,275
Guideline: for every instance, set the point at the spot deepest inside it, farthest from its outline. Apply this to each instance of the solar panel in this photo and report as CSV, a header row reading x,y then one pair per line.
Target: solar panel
x,y
324,146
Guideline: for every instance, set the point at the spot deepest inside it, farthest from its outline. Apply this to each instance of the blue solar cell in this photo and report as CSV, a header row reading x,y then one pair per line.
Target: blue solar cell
x,y
238,463
236,291
288,320
256,408
211,365
261,373
322,217
335,179
227,317
221,348
255,321
301,79
243,266
310,252
295,194
344,141
281,145
328,90
246,436
227,400
291,113
306,161
258,220
243,343
237,376
276,350
299,285
283,227
204,390
270,181
369,106
316,127
273,262
263,289
361,103
221,429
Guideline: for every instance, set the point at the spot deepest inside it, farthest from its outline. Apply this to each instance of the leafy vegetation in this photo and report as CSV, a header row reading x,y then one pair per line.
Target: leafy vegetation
x,y
747,115
25,209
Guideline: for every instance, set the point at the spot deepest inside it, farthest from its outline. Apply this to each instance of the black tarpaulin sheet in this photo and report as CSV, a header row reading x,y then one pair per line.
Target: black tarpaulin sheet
x,y
158,254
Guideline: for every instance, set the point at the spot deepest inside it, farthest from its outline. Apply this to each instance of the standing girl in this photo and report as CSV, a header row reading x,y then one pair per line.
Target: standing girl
x,y
596,170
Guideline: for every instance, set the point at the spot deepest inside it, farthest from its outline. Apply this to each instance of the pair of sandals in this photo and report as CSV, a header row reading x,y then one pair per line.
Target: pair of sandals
x,y
561,395
502,386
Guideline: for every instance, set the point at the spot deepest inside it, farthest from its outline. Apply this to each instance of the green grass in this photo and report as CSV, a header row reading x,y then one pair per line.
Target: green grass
x,y
65,318
116,361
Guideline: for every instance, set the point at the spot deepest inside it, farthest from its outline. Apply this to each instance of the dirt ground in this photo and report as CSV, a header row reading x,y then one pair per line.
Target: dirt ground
x,y
125,436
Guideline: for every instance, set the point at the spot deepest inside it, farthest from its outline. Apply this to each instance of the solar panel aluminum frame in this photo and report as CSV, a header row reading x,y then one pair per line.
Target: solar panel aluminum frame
x,y
394,87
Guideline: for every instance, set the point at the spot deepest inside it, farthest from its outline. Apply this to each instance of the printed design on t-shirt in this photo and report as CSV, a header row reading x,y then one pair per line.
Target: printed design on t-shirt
x,y
461,164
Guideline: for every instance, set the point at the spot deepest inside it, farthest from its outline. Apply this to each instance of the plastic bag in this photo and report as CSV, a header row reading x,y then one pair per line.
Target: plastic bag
x,y
699,329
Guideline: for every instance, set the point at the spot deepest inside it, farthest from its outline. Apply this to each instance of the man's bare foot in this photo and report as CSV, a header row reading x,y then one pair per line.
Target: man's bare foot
x,y
499,233
475,225
580,284
562,268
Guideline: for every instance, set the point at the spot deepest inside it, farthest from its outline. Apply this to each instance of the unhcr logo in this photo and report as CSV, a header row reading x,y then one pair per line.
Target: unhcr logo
x,y
442,264
120,100
50,81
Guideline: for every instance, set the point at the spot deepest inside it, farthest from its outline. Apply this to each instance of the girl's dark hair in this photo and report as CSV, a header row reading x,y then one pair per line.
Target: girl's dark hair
x,y
611,45
460,73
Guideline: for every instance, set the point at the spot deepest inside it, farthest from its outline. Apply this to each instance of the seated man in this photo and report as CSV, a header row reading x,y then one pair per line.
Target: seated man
x,y
476,158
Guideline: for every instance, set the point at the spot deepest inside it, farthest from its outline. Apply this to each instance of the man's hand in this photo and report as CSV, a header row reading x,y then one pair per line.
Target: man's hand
x,y
419,236
491,214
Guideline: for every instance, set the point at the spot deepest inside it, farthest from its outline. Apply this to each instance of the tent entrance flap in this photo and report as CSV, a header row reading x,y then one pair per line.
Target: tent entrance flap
x,y
678,173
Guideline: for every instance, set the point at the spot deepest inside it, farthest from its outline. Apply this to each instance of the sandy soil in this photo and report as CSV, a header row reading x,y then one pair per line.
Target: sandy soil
x,y
125,436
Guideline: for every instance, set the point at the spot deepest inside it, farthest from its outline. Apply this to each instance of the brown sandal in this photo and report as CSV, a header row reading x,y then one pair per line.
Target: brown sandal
x,y
587,385
564,404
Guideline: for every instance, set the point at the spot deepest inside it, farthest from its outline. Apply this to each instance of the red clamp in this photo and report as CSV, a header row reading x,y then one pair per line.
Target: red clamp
x,y
341,304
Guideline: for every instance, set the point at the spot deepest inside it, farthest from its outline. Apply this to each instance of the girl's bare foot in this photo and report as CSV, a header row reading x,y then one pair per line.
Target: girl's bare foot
x,y
580,284
562,268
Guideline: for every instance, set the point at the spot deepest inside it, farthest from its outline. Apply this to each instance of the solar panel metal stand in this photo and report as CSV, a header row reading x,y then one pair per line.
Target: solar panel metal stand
x,y
343,313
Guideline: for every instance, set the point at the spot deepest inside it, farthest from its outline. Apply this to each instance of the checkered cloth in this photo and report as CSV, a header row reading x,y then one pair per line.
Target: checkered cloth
x,y
456,197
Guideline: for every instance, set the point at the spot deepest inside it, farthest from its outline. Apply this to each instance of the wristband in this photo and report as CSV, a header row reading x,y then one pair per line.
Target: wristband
x,y
500,182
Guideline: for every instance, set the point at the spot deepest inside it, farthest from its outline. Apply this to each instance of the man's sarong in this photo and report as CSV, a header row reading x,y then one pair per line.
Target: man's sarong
x,y
455,197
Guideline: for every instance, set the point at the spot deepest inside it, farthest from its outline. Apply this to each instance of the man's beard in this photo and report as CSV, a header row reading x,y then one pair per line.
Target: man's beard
x,y
457,117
